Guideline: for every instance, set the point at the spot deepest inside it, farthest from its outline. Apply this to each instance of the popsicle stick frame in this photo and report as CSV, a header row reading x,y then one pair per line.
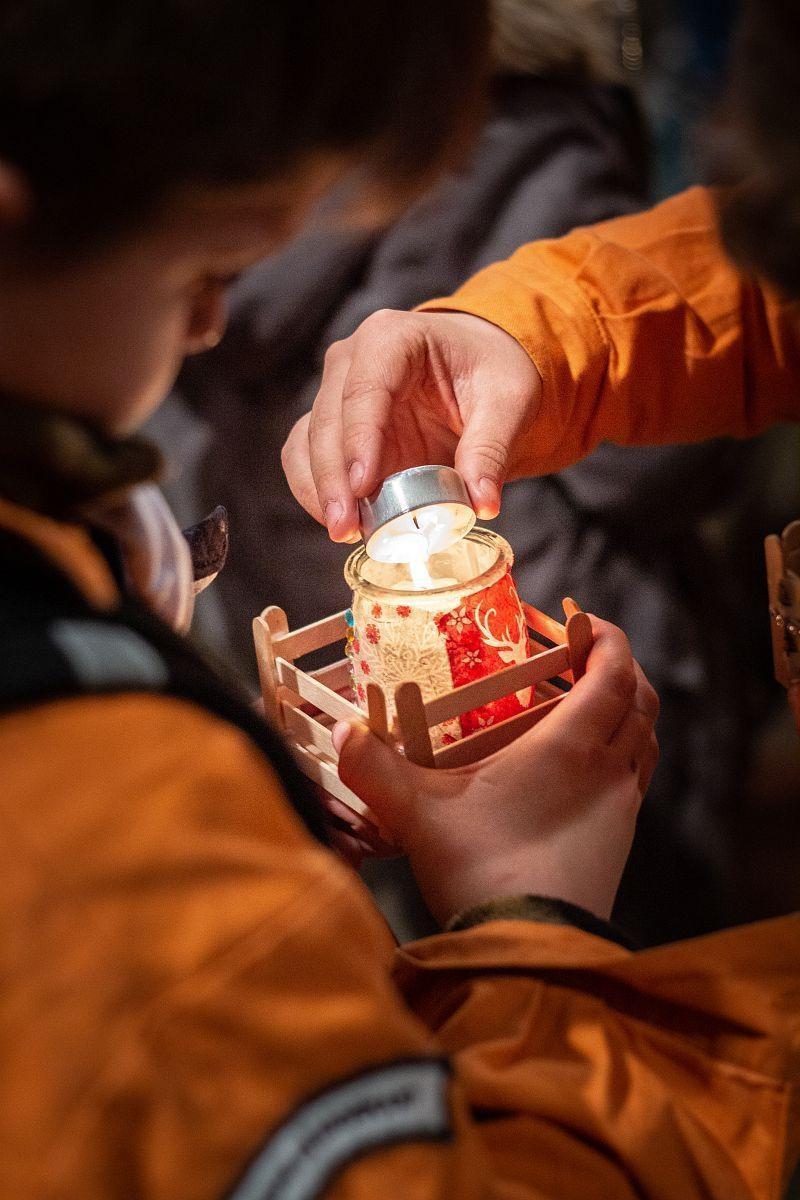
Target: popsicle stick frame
x,y
306,704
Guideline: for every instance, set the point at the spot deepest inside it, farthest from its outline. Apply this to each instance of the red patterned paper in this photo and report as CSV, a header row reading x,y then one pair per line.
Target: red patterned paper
x,y
486,633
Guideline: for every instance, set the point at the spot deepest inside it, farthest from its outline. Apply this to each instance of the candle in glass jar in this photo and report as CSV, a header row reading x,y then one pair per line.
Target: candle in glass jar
x,y
441,622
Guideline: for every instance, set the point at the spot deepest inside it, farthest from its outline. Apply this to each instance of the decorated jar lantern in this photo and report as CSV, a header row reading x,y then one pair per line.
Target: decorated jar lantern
x,y
433,599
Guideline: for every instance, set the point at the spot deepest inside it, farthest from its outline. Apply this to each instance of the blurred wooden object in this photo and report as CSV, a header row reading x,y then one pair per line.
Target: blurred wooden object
x,y
306,704
783,582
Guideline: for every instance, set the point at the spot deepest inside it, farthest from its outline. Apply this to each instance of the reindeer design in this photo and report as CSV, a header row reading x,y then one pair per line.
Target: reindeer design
x,y
509,648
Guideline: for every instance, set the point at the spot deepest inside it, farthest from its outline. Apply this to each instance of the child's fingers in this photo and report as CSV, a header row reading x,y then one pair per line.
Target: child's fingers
x,y
379,775
601,700
355,825
636,746
649,763
350,849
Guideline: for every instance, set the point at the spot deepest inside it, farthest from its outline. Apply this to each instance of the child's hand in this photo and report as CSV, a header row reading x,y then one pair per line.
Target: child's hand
x,y
352,836
552,814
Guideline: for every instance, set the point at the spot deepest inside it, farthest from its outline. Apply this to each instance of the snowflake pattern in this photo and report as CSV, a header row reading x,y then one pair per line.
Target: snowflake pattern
x,y
403,611
377,611
458,621
372,634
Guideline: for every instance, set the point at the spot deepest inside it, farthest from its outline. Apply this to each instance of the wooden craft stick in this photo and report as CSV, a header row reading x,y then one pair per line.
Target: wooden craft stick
x,y
486,741
413,724
511,679
570,606
316,693
336,676
326,775
311,637
543,624
376,710
307,729
580,639
271,622
547,691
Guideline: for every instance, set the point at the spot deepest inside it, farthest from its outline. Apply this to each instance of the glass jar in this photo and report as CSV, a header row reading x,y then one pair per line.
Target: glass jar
x,y
462,622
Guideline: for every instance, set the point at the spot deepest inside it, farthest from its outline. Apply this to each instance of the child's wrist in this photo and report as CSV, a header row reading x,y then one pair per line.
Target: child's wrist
x,y
529,870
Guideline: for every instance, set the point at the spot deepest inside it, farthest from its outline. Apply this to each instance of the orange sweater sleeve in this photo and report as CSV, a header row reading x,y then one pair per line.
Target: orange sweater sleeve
x,y
643,332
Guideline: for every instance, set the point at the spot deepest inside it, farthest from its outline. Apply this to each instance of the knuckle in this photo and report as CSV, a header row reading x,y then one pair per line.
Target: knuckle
x,y
380,320
622,681
362,431
295,438
494,452
387,332
321,421
652,701
334,354
585,758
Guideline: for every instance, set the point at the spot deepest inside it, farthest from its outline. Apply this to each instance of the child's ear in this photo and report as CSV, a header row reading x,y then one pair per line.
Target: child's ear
x,y
16,198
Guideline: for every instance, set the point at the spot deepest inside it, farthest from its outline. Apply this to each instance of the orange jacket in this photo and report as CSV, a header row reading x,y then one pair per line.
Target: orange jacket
x,y
193,990
643,332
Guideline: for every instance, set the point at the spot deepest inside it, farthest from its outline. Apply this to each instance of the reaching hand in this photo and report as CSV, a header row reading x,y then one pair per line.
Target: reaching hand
x,y
408,389
552,814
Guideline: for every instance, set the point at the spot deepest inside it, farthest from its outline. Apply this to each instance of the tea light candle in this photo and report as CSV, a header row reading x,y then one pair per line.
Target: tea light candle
x,y
416,513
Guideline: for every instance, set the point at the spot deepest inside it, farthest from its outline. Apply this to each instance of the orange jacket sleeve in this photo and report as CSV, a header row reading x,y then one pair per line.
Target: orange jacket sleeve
x,y
643,333
195,994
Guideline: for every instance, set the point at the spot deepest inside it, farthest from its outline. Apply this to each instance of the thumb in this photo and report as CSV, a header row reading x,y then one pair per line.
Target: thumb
x,y
499,402
378,774
482,460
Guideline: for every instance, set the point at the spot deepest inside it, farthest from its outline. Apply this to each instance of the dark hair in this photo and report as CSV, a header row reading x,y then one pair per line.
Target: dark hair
x,y
758,158
108,105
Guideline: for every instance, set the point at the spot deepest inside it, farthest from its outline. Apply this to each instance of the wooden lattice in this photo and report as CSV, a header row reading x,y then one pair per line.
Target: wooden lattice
x,y
306,704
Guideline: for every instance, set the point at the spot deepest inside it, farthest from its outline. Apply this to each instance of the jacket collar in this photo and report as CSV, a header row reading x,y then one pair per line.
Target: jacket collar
x,y
69,547
58,465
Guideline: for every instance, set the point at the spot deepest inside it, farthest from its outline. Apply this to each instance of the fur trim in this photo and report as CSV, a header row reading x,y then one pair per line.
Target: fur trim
x,y
559,37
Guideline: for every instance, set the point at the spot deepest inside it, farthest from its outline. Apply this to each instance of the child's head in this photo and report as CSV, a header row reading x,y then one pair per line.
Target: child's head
x,y
149,149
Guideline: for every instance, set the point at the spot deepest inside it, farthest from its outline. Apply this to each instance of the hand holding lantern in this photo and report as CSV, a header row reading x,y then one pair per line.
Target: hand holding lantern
x,y
454,660
552,814
459,724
